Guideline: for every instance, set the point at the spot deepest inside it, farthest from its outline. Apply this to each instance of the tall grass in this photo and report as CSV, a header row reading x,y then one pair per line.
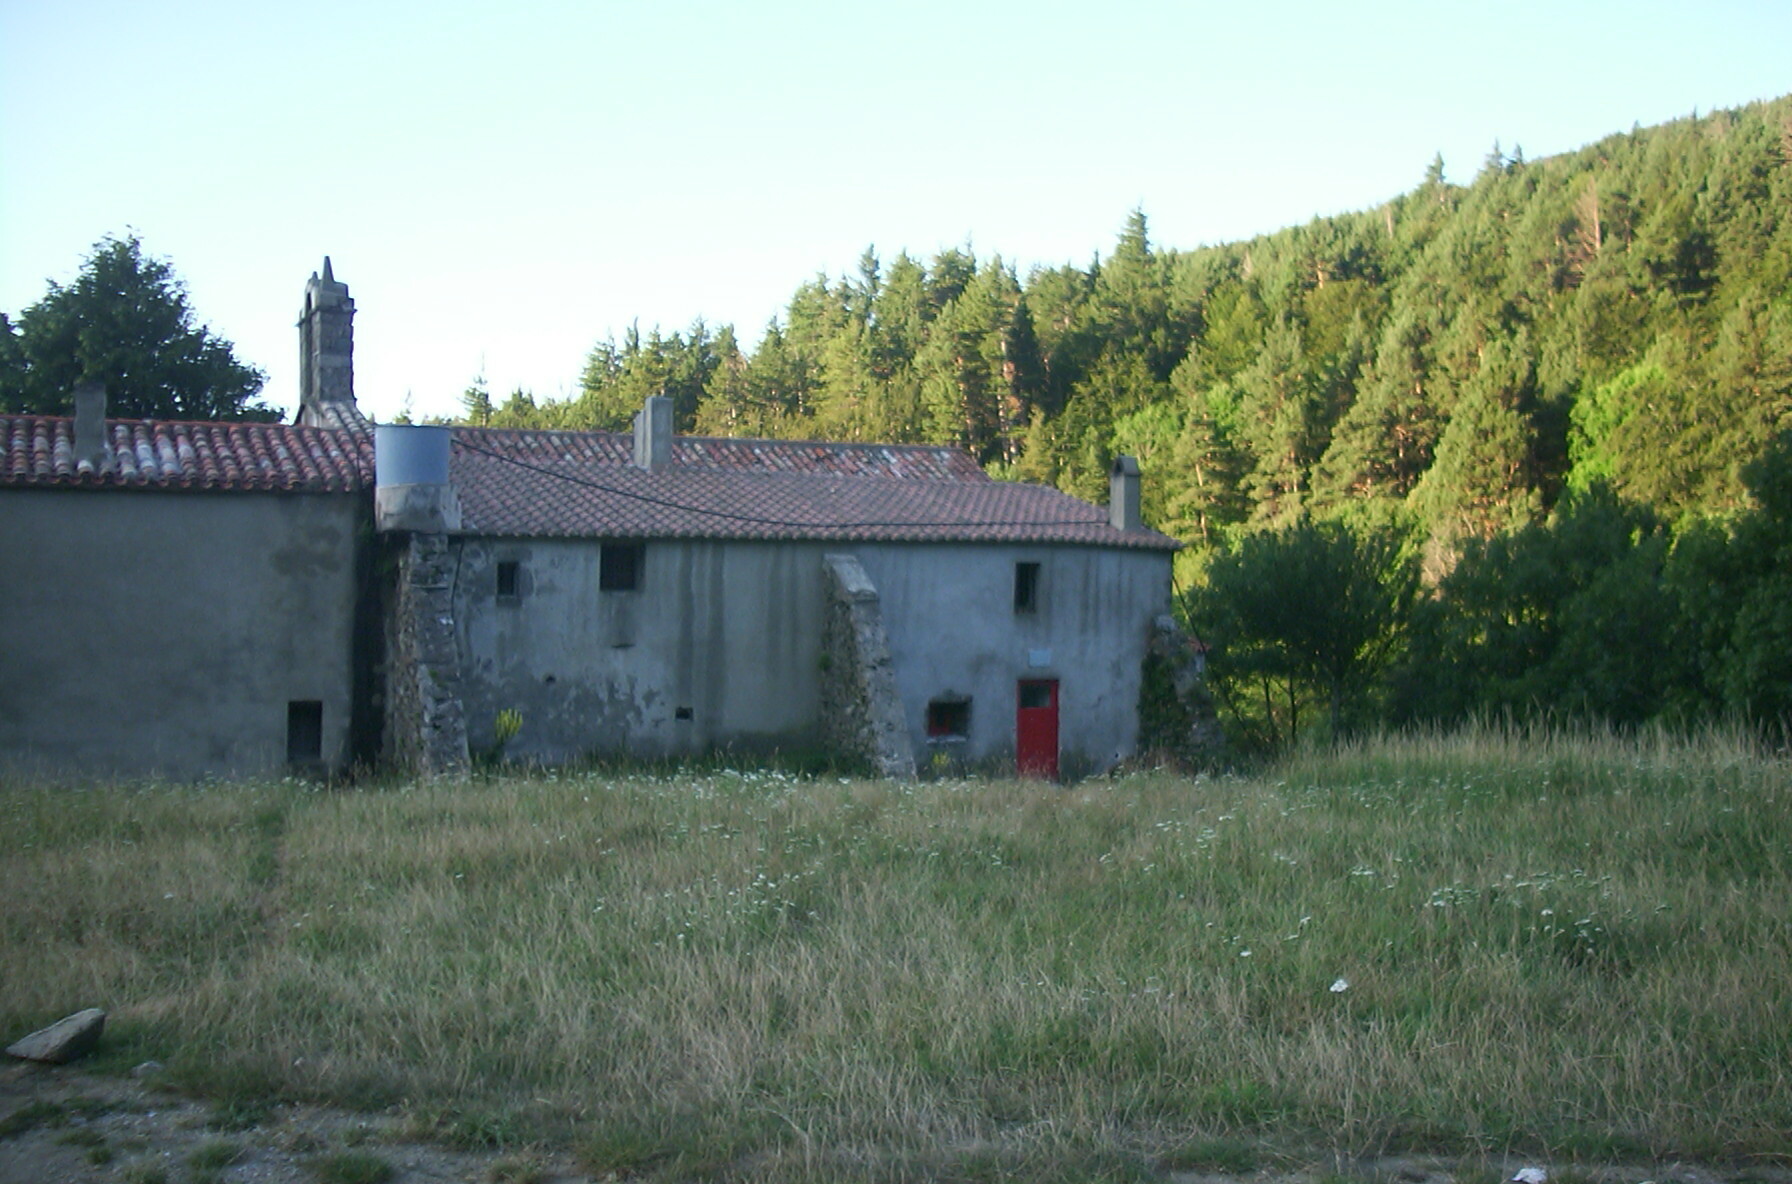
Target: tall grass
x,y
1490,942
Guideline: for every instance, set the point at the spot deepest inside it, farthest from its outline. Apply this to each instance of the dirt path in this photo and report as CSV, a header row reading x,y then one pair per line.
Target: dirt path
x,y
63,1126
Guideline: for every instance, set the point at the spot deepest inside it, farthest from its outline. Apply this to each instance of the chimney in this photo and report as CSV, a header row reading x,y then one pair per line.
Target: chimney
x,y
1123,494
326,347
90,426
653,434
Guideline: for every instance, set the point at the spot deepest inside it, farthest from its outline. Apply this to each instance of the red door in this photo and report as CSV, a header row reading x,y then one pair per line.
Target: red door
x,y
1036,728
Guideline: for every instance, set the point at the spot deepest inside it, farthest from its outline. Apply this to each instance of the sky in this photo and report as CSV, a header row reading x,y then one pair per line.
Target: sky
x,y
504,185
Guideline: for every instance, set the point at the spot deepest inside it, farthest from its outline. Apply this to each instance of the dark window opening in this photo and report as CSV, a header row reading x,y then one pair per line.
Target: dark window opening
x,y
620,567
507,579
304,732
1026,587
1034,695
948,717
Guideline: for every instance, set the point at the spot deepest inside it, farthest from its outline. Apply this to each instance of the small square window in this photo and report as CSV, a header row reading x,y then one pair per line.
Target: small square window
x,y
620,567
1026,587
304,732
507,579
947,718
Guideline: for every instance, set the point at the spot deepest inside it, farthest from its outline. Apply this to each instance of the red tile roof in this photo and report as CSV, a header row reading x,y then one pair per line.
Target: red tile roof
x,y
584,484
37,450
690,453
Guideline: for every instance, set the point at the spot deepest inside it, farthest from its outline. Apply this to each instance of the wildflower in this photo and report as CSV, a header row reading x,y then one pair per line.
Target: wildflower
x,y
1530,1176
1339,986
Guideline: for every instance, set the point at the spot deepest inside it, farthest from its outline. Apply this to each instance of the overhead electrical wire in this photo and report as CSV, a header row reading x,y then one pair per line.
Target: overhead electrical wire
x,y
752,519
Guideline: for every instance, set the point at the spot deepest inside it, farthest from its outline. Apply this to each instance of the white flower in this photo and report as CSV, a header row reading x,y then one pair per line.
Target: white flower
x,y
1530,1176
1340,986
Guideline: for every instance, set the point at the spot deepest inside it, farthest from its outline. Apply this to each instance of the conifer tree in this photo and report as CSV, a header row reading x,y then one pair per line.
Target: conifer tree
x,y
476,402
125,321
1481,481
1384,442
1281,421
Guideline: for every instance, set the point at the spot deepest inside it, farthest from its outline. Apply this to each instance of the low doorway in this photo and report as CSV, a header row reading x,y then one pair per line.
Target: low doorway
x,y
1036,728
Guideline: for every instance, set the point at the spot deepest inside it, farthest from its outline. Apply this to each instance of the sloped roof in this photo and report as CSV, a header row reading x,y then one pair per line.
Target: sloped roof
x,y
584,484
336,414
544,484
39,450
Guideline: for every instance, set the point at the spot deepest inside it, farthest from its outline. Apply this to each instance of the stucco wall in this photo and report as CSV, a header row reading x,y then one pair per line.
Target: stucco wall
x,y
731,633
949,612
162,633
726,634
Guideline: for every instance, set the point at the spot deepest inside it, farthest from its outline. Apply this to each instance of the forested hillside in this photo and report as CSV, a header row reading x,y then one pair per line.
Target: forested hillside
x,y
1617,313
1529,423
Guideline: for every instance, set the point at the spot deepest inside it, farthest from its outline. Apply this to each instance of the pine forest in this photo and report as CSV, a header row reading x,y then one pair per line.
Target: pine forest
x,y
1529,434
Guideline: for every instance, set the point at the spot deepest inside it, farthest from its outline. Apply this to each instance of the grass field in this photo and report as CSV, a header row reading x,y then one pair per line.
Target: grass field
x,y
1489,943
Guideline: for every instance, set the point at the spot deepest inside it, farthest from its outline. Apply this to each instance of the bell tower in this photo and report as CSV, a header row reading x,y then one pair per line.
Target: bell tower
x,y
326,352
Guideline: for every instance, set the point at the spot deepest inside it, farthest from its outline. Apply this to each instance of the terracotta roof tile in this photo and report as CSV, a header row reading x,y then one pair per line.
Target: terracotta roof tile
x,y
919,461
584,484
39,450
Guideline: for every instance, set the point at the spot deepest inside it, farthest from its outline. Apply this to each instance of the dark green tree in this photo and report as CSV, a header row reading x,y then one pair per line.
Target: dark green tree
x,y
125,321
1385,440
1570,617
1303,617
1735,586
1205,495
619,380
476,402
12,367
1481,481
1282,424
850,403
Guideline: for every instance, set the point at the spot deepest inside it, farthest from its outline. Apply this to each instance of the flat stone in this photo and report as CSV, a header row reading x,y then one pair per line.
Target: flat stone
x,y
63,1041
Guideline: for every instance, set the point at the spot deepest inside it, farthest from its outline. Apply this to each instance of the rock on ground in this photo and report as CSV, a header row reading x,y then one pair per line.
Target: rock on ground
x,y
63,1041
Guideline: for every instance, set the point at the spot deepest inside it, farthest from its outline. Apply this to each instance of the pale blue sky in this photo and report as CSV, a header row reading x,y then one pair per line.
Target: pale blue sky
x,y
502,185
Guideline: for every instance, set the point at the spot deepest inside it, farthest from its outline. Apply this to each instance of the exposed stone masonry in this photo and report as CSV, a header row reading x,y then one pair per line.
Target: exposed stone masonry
x,y
1177,717
426,725
326,349
861,714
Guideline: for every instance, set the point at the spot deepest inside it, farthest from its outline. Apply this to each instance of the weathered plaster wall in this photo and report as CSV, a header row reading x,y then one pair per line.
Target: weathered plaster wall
x,y
722,644
161,633
719,646
949,612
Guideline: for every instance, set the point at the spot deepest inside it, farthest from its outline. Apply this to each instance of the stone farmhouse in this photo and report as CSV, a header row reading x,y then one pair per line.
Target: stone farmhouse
x,y
188,600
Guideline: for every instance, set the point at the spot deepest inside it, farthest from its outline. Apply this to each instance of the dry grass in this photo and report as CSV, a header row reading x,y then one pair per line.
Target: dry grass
x,y
1577,946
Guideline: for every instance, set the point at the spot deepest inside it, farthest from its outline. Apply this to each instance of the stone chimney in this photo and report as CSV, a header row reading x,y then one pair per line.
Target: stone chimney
x,y
653,434
1123,494
326,348
90,427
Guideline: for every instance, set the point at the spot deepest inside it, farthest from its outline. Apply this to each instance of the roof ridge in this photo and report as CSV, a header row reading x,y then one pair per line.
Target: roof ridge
x,y
872,444
181,423
692,437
